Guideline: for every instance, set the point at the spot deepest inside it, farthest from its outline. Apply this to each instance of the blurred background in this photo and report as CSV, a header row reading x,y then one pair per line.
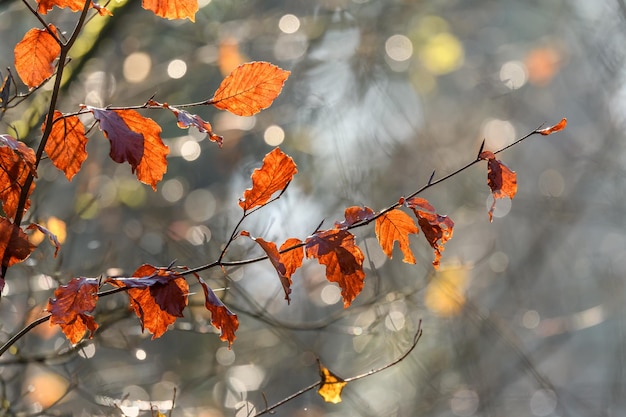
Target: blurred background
x,y
526,315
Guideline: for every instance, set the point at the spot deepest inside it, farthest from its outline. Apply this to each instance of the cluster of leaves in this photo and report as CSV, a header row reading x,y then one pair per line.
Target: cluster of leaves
x,y
159,295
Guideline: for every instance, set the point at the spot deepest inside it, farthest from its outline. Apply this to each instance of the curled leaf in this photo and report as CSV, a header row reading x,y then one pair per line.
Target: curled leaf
x,y
250,88
556,128
186,120
331,385
274,175
355,214
501,180
74,5
221,317
71,305
51,236
437,229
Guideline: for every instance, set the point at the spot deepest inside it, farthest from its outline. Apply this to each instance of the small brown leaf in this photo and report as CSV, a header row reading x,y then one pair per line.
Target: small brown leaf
x,y
336,249
35,55
14,245
355,214
70,306
436,228
51,236
250,88
274,175
331,385
501,180
556,128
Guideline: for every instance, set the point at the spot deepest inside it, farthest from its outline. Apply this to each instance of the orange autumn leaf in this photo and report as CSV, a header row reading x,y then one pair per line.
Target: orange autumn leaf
x,y
67,144
501,180
280,261
16,162
556,128
157,295
70,306
437,229
274,175
250,88
331,385
355,214
14,245
35,55
292,259
134,139
396,226
172,9
221,317
343,259
74,5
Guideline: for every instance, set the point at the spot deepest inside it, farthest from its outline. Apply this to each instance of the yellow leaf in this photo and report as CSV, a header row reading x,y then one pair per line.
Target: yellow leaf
x,y
331,386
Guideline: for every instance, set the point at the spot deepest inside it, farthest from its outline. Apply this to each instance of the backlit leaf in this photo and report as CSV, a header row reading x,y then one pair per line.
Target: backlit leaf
x,y
135,139
250,88
396,226
35,55
16,162
71,305
501,180
157,295
274,175
74,5
355,214
281,260
336,249
14,245
172,9
331,386
436,228
67,144
556,128
24,152
221,317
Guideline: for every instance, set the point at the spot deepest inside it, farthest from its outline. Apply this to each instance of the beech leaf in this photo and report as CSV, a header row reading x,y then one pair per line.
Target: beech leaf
x,y
343,259
14,245
74,5
221,317
436,228
274,175
556,128
51,236
280,261
67,144
157,295
250,88
186,120
35,55
17,161
331,385
71,305
501,180
355,214
172,9
134,139
396,226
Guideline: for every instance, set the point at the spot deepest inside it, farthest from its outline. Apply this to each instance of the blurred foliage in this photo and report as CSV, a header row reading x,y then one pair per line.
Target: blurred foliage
x,y
526,316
